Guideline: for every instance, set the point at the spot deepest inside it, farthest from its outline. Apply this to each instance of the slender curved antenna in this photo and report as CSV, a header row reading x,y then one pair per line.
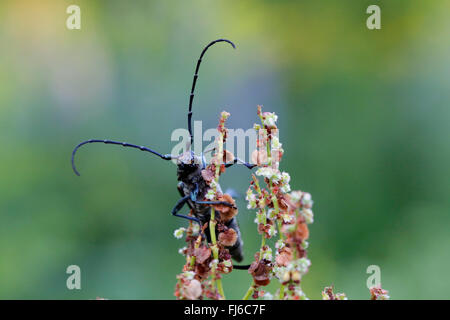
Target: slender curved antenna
x,y
124,144
191,98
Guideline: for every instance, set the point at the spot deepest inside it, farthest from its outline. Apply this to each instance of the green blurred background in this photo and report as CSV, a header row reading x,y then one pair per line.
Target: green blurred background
x,y
364,118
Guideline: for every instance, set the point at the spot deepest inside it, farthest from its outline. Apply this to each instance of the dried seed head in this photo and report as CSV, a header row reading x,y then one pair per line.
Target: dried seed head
x,y
202,254
259,157
228,238
227,156
302,231
209,174
193,290
226,212
328,294
284,256
377,293
260,270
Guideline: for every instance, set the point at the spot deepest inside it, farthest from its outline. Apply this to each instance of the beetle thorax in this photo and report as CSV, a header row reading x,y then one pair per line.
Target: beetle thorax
x,y
189,167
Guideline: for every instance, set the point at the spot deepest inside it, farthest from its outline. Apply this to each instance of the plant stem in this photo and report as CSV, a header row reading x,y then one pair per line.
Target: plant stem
x,y
263,243
215,250
249,292
269,156
251,289
216,281
281,292
196,246
279,225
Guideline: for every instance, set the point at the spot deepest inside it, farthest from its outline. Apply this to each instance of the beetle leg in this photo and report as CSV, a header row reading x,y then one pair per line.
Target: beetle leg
x,y
180,188
236,160
180,205
218,202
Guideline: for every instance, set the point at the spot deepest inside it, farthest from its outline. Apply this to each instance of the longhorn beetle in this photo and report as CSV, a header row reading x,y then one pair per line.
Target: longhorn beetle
x,y
192,187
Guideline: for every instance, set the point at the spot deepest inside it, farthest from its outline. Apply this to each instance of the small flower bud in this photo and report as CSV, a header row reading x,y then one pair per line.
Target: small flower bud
x,y
309,215
296,196
210,195
227,263
178,233
270,119
307,201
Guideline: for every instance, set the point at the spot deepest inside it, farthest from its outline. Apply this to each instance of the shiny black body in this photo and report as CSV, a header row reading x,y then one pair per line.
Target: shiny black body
x,y
192,186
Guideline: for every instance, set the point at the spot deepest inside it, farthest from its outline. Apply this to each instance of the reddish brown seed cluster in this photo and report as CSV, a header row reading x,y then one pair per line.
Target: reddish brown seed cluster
x,y
199,259
260,270
377,293
202,270
227,237
226,212
278,211
328,294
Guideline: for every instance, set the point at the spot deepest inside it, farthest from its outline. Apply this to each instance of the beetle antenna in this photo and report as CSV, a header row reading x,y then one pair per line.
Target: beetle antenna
x,y
191,98
124,144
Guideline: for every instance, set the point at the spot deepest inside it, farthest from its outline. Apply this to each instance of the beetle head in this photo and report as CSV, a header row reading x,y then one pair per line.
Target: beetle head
x,y
187,164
